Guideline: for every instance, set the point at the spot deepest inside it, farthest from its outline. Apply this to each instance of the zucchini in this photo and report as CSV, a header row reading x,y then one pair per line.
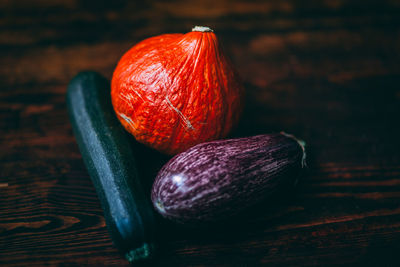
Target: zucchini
x,y
107,154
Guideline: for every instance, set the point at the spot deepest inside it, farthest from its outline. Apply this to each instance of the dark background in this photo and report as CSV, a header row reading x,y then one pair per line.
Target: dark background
x,y
327,71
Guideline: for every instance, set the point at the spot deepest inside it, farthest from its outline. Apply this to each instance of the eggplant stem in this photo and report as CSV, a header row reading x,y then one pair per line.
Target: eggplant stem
x,y
302,144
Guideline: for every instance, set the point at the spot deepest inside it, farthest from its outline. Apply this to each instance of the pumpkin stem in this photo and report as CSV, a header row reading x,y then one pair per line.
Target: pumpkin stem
x,y
201,29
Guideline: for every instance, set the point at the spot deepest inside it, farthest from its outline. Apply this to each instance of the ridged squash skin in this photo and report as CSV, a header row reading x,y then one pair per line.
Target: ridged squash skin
x,y
174,91
215,180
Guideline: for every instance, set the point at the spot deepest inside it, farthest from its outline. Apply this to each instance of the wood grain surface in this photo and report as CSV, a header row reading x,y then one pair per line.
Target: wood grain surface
x,y
326,71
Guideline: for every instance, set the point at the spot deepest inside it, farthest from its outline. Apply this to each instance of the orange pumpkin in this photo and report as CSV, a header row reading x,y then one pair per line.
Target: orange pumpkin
x,y
174,91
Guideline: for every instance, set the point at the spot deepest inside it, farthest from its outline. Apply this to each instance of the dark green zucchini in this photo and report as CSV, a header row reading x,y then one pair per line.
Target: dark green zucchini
x,y
107,153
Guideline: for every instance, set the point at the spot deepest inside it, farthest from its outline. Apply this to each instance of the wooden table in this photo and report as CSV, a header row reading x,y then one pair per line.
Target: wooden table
x,y
326,71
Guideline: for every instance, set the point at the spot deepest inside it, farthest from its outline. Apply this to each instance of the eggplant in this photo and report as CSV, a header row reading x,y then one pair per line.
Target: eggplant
x,y
218,179
109,159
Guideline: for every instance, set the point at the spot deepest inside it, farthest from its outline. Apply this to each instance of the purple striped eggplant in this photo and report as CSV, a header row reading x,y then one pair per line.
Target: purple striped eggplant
x,y
217,179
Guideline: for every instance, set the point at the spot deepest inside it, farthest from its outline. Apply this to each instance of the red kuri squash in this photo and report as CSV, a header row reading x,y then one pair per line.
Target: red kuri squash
x,y
174,91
